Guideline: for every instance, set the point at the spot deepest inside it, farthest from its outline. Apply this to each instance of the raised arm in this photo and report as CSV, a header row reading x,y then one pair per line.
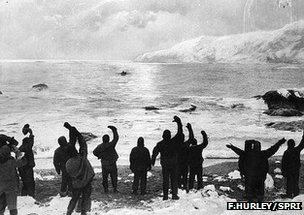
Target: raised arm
x,y
237,150
190,130
179,126
300,147
205,139
273,149
115,136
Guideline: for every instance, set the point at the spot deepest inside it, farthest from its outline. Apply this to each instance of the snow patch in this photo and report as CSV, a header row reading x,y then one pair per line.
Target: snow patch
x,y
226,189
277,171
219,179
269,182
234,175
279,176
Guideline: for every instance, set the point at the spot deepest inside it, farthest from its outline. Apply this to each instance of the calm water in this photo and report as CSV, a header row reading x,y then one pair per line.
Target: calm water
x,y
92,95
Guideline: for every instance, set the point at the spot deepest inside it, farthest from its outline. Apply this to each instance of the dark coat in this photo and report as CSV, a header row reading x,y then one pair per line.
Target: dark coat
x,y
291,162
256,160
27,148
60,158
106,152
140,159
169,149
9,180
195,152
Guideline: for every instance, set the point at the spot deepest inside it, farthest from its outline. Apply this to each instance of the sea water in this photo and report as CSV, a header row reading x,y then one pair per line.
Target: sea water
x,y
92,95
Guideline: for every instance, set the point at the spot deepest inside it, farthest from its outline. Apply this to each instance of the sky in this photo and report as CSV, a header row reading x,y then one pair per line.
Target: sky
x,y
119,29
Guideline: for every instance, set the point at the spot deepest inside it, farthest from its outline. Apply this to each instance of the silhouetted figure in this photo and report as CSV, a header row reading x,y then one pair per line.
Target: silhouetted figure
x,y
108,156
9,141
183,159
9,179
60,158
291,164
169,149
140,164
248,147
80,172
26,172
196,161
256,167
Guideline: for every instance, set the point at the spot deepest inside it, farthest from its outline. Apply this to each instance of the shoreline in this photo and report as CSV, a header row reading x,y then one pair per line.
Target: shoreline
x,y
48,185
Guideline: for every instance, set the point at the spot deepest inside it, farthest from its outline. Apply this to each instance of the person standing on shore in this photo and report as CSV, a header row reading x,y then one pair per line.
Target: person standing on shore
x,y
169,149
80,172
140,164
27,172
256,167
196,161
108,156
183,159
9,180
59,160
291,164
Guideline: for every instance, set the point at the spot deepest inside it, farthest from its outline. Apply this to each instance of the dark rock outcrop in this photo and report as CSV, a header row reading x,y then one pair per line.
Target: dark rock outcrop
x,y
88,136
283,112
191,109
287,126
40,87
288,103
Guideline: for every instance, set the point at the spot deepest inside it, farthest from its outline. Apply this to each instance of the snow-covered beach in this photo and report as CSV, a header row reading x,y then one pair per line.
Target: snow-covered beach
x,y
222,184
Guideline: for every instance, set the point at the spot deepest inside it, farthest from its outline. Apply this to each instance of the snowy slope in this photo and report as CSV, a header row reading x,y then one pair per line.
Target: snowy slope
x,y
284,45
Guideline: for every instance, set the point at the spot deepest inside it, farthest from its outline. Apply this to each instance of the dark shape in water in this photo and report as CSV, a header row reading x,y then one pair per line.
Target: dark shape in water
x,y
123,73
287,126
239,105
278,105
88,136
151,108
191,109
1,93
40,87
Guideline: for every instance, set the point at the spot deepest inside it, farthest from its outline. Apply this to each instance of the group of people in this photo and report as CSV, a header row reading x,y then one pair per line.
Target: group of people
x,y
181,161
254,166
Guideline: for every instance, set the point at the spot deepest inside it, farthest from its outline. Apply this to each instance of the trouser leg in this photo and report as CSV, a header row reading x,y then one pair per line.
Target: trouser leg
x,y
86,198
173,179
143,182
249,183
260,189
183,177
13,212
296,184
72,204
105,174
3,204
289,185
200,177
165,174
114,176
135,181
64,182
191,178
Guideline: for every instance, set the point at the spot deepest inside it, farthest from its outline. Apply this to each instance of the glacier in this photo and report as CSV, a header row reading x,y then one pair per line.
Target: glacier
x,y
285,45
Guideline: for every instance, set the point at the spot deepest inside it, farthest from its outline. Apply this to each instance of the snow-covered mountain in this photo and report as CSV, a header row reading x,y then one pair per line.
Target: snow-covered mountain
x,y
284,45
